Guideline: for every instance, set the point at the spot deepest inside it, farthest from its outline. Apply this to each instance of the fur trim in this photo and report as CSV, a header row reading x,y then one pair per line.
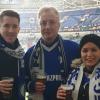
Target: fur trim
x,y
76,63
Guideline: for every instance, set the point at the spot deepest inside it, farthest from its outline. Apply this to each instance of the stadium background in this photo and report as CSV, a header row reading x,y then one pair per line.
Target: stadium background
x,y
77,18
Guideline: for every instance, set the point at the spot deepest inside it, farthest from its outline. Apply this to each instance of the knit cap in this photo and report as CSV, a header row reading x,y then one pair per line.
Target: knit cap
x,y
90,38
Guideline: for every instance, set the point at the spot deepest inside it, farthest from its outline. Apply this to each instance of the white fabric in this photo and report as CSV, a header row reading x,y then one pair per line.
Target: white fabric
x,y
94,85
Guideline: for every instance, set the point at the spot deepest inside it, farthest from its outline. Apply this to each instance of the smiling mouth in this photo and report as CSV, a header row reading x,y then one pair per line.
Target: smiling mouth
x,y
89,60
11,36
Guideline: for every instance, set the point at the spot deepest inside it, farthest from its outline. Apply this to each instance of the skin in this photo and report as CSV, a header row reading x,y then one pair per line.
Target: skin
x,y
61,93
49,22
9,28
6,86
90,55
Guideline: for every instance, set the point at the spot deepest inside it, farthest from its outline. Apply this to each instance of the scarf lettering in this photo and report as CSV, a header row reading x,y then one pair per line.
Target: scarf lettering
x,y
96,97
53,77
97,88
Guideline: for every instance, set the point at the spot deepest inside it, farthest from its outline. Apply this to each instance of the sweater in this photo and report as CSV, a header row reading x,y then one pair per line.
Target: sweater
x,y
54,61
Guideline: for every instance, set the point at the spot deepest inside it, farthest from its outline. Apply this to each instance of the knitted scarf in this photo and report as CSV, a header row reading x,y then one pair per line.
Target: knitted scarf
x,y
17,53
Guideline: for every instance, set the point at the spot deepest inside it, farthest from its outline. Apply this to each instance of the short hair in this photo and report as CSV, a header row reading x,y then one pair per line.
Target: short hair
x,y
10,13
48,9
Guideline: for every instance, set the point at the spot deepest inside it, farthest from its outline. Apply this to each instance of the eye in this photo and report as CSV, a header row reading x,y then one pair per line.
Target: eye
x,y
43,23
6,26
15,26
52,22
93,50
84,50
87,50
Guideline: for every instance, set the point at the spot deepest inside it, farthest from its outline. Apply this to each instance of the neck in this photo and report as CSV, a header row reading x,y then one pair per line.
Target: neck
x,y
88,70
51,42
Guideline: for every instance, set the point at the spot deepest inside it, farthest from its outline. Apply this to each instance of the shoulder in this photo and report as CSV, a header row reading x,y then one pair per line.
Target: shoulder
x,y
28,52
30,49
70,43
71,47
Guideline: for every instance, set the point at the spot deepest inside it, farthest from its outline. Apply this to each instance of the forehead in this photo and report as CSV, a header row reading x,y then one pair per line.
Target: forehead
x,y
50,15
90,45
9,20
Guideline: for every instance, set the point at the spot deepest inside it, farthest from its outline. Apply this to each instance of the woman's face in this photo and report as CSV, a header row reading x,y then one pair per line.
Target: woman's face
x,y
90,54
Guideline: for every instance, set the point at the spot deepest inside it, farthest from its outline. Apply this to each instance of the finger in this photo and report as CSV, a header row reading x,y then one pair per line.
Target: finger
x,y
39,83
60,97
6,81
5,92
6,85
40,89
7,89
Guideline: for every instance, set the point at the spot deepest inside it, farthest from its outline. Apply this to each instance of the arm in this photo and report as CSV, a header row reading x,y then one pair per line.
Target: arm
x,y
29,84
32,85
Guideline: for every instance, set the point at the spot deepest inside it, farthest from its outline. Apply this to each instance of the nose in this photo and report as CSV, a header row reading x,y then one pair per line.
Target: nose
x,y
89,53
11,29
47,25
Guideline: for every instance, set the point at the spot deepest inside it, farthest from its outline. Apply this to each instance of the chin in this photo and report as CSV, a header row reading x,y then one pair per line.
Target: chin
x,y
10,41
90,65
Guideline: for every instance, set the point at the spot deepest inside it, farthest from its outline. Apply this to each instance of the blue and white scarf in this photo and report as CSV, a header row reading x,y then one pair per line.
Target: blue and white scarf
x,y
75,79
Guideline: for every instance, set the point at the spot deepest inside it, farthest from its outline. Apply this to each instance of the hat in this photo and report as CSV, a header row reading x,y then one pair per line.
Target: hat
x,y
90,38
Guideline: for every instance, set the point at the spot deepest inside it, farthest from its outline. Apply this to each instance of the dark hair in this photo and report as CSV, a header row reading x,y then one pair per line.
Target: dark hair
x,y
10,13
90,38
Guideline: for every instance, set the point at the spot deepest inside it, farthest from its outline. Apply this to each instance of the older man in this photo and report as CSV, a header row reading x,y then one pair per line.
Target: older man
x,y
51,55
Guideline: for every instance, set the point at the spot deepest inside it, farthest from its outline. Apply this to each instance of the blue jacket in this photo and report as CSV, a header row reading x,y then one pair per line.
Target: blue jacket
x,y
56,64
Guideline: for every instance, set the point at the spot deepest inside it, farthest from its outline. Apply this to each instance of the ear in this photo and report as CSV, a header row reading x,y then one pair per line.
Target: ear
x,y
18,29
0,28
59,24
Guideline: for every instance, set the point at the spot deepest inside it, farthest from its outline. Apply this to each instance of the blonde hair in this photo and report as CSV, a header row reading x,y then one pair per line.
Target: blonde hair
x,y
48,9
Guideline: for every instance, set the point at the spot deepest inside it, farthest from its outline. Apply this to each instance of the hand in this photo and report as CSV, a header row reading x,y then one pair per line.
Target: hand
x,y
6,86
61,94
39,87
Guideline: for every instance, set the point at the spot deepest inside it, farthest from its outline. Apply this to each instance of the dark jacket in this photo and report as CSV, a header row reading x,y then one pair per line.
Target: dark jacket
x,y
11,66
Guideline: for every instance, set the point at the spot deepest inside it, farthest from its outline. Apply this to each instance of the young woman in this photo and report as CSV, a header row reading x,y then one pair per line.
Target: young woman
x,y
85,78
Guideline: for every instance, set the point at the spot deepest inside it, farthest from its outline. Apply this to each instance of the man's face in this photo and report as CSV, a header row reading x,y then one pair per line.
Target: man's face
x,y
9,28
49,23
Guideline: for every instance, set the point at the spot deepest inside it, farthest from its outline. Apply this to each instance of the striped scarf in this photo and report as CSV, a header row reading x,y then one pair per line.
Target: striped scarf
x,y
75,79
37,57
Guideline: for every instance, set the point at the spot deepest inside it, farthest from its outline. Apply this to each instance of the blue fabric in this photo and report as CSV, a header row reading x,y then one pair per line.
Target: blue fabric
x,y
52,67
